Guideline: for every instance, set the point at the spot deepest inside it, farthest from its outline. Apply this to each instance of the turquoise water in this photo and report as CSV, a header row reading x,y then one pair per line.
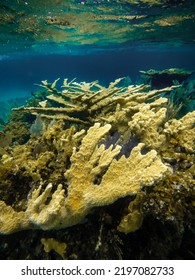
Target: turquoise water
x,y
91,40
97,40
19,74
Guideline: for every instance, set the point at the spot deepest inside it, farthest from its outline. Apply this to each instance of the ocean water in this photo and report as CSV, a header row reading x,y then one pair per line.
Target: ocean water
x,y
20,74
90,40
93,40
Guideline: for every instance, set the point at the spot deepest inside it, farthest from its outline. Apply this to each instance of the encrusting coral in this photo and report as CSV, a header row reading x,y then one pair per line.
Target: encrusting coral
x,y
122,141
133,219
52,244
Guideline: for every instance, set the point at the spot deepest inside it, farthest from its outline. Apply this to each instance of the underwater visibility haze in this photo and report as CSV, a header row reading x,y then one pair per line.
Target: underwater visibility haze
x,y
97,129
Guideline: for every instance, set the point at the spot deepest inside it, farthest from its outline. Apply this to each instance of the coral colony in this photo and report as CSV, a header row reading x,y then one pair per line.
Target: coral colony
x,y
90,146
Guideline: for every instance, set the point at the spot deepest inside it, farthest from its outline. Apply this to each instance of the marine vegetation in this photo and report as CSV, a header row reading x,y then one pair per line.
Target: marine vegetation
x,y
114,160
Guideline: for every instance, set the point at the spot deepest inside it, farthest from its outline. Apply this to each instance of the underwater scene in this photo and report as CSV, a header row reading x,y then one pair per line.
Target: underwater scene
x,y
97,129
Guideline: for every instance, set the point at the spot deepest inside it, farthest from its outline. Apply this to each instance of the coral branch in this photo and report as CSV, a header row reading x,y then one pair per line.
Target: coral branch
x,y
95,178
90,101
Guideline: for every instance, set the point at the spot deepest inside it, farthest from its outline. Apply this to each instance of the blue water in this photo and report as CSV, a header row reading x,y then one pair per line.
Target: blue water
x,y
19,74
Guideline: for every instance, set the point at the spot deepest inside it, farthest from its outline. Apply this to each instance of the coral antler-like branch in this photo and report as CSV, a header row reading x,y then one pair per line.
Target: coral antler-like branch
x,y
95,178
90,101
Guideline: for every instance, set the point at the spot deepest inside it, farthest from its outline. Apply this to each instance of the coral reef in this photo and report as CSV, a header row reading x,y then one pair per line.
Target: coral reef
x,y
113,160
87,103
183,132
84,191
164,78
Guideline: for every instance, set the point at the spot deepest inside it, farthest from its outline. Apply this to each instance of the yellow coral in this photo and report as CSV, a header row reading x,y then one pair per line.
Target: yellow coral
x,y
131,222
133,219
95,178
146,124
12,221
93,102
52,244
183,130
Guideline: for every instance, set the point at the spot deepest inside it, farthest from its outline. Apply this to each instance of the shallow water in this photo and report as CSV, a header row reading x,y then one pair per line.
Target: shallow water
x,y
97,40
91,40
